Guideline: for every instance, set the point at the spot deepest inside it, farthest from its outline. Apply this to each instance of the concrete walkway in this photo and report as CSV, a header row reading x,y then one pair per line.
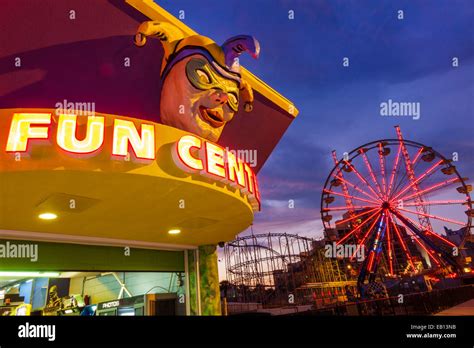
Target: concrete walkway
x,y
466,308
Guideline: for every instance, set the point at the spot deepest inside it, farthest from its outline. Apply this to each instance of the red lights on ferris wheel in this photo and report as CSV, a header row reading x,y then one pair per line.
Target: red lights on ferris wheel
x,y
375,194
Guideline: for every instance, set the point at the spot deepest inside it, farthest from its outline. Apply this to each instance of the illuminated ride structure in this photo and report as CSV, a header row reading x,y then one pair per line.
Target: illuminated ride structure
x,y
273,269
265,268
391,198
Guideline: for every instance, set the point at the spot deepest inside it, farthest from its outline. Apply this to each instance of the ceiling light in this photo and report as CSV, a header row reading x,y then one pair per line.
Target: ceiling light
x,y
47,216
174,231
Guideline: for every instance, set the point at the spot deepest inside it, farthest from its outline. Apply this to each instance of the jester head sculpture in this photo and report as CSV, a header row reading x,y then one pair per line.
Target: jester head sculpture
x,y
202,87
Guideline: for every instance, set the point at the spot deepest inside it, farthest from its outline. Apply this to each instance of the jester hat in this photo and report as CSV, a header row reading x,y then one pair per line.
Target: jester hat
x,y
222,58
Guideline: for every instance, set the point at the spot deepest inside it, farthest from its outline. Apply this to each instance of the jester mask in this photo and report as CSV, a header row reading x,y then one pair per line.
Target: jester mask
x,y
202,87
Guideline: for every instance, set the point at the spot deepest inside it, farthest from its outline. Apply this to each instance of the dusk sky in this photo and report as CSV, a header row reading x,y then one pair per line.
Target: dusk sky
x,y
408,60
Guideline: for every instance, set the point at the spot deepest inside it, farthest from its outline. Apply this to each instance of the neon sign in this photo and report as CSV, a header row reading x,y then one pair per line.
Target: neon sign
x,y
21,130
191,153
66,136
195,155
34,126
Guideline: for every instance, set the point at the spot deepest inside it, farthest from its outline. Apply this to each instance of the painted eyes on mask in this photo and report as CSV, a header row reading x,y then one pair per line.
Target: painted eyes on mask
x,y
233,99
206,79
203,76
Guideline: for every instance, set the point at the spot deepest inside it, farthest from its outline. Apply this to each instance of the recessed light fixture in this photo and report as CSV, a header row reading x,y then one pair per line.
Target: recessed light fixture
x,y
174,231
47,216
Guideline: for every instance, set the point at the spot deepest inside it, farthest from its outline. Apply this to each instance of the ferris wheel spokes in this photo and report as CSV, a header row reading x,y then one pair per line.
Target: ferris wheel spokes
x,y
439,202
431,188
414,184
365,212
351,196
358,227
417,156
394,170
355,187
433,216
372,175
382,154
389,195
364,180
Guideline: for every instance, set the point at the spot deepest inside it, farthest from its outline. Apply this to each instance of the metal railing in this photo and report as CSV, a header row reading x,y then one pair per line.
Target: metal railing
x,y
422,303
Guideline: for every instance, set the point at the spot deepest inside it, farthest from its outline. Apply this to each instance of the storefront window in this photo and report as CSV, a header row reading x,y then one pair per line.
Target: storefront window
x,y
97,293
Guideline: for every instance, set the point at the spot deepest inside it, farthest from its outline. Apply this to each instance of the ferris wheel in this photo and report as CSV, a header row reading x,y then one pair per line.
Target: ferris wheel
x,y
394,198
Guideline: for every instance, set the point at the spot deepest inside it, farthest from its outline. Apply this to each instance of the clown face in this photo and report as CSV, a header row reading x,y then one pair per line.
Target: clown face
x,y
199,97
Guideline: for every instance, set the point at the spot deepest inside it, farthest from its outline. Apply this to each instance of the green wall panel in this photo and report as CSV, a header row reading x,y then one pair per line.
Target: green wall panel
x,y
76,257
